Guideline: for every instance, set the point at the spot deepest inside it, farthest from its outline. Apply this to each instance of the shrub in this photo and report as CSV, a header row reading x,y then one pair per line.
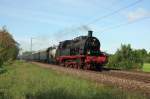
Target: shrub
x,y
125,58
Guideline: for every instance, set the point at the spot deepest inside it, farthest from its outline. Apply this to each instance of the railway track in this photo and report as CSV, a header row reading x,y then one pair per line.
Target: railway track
x,y
137,76
133,81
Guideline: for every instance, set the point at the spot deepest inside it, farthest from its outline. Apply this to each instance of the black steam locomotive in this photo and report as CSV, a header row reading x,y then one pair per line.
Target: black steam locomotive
x,y
82,52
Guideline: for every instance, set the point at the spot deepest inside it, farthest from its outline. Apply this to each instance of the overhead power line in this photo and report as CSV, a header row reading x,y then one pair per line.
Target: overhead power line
x,y
123,24
115,12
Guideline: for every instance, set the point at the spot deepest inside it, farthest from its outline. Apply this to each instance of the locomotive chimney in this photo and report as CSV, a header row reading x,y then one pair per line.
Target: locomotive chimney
x,y
90,33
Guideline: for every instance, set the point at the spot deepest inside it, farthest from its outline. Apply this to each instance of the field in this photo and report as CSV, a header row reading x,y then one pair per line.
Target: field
x,y
27,81
146,67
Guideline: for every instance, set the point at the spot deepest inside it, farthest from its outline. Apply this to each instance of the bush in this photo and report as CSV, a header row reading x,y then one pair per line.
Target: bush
x,y
125,58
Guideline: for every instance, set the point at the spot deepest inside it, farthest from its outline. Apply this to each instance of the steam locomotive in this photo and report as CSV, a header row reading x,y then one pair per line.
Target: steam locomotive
x,y
82,52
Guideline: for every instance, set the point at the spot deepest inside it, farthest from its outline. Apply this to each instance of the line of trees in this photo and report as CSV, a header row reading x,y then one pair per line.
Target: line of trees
x,y
128,58
9,48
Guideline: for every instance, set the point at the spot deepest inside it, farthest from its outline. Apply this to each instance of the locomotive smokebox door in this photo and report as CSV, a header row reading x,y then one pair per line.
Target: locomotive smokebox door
x,y
90,33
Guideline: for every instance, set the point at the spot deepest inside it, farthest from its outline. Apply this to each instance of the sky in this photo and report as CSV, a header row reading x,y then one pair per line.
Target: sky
x,y
48,22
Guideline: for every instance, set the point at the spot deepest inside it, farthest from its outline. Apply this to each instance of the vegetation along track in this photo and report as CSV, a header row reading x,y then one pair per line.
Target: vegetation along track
x,y
124,80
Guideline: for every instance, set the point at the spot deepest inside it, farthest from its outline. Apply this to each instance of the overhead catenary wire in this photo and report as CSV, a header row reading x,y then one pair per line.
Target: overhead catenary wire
x,y
114,12
123,24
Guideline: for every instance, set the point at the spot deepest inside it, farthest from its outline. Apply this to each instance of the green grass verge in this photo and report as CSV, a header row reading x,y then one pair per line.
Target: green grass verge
x,y
28,81
146,67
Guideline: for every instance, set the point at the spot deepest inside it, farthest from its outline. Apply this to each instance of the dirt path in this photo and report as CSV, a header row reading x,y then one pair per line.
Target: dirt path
x,y
117,81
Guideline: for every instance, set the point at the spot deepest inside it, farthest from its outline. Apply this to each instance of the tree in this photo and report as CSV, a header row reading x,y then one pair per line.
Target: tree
x,y
142,53
8,46
126,58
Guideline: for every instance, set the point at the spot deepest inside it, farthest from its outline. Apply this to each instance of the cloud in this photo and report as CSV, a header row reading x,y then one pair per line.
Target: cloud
x,y
137,14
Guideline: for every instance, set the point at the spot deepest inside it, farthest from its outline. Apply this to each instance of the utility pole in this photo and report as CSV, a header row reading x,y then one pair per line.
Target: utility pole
x,y
31,49
31,45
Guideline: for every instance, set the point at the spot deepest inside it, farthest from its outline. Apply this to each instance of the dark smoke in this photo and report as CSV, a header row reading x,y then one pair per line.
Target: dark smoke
x,y
71,32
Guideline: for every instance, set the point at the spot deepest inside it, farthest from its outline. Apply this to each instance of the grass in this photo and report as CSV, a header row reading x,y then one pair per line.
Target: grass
x,y
28,81
146,67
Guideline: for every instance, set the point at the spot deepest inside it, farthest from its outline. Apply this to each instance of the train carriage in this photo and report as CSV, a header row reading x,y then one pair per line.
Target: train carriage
x,y
51,54
43,55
